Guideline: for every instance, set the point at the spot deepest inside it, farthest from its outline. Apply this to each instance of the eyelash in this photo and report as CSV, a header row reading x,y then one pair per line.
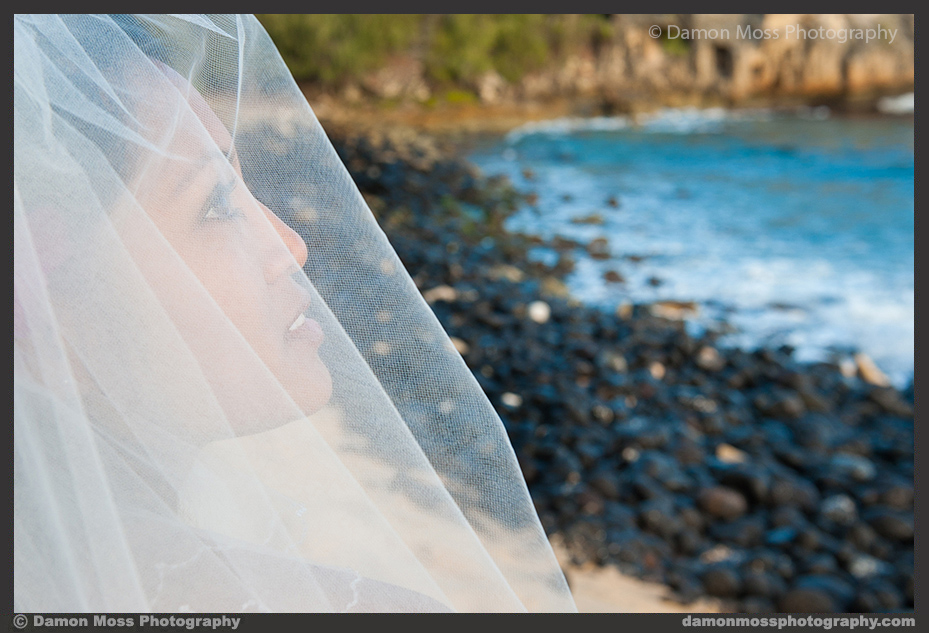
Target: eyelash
x,y
218,206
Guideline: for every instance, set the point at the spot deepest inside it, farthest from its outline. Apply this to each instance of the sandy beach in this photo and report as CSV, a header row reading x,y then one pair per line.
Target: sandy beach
x,y
606,590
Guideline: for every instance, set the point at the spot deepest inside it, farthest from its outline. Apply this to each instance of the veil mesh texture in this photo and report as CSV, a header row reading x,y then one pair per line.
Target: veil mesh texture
x,y
229,395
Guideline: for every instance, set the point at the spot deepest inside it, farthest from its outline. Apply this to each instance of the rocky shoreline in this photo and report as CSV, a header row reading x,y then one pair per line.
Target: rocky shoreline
x,y
768,483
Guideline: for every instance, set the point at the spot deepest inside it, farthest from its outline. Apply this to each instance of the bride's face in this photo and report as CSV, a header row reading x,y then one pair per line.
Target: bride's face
x,y
246,258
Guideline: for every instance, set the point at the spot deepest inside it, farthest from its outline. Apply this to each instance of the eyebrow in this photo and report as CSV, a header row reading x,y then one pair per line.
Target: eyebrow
x,y
185,181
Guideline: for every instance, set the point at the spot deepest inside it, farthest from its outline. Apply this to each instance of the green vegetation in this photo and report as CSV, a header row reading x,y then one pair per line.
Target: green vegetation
x,y
454,49
456,95
331,48
676,46
464,46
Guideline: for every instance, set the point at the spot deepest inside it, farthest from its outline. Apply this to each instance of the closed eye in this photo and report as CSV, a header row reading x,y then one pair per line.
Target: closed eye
x,y
219,205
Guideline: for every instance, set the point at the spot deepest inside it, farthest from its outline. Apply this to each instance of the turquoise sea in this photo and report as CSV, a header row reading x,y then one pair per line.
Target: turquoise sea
x,y
795,227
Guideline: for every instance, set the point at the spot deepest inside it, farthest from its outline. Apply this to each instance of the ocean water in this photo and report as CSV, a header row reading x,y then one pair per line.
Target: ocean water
x,y
793,227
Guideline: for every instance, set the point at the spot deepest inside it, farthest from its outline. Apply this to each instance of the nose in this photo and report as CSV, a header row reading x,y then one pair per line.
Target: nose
x,y
295,246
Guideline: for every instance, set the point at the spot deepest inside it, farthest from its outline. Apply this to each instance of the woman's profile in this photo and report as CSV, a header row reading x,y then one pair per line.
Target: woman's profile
x,y
223,403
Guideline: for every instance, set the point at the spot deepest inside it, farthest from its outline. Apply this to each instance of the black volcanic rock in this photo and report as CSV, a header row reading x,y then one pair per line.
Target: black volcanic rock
x,y
621,417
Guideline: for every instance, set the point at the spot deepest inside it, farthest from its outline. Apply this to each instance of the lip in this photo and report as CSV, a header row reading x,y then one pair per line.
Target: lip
x,y
309,330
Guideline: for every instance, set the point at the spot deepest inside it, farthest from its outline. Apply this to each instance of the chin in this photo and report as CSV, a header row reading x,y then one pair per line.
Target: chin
x,y
313,393
306,393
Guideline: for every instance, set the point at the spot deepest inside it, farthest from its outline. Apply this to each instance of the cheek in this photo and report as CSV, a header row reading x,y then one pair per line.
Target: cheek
x,y
238,288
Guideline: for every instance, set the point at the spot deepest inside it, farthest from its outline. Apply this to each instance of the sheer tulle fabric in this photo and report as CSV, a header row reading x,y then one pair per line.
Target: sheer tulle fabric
x,y
214,411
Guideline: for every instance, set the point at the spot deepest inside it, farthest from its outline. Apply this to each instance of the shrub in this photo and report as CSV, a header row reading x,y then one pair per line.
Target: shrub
x,y
332,48
455,49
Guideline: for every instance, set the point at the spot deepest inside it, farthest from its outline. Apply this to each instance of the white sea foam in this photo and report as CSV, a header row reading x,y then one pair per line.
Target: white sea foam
x,y
901,104
811,306
686,120
566,125
759,233
692,120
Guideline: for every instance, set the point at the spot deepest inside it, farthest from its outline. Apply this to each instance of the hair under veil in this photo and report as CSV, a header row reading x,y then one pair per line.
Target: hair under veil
x,y
228,393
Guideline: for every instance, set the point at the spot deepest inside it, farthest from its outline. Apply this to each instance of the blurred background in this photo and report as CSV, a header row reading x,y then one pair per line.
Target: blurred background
x,y
677,253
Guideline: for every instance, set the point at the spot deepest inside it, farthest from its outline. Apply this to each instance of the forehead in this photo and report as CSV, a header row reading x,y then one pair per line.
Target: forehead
x,y
191,147
179,115
209,119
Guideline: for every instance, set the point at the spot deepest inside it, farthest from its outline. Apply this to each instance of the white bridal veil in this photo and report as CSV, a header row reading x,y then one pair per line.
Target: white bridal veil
x,y
229,394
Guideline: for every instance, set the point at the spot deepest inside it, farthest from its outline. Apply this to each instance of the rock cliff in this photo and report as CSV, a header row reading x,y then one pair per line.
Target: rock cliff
x,y
691,59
